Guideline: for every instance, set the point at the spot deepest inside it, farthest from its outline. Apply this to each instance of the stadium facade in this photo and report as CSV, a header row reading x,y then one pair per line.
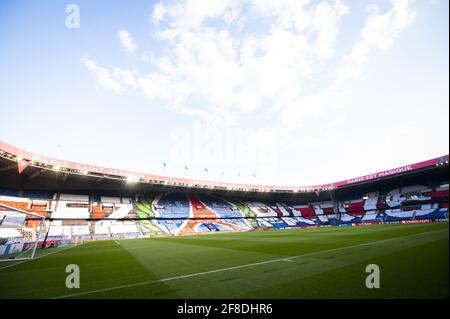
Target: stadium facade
x,y
89,202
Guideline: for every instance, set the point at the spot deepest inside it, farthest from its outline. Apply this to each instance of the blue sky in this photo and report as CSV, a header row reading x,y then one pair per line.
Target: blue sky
x,y
292,92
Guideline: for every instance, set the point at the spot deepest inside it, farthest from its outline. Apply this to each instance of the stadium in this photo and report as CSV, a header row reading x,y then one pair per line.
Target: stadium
x,y
181,238
224,157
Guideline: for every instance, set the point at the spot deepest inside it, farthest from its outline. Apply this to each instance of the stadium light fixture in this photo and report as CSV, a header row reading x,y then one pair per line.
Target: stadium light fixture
x,y
56,168
132,179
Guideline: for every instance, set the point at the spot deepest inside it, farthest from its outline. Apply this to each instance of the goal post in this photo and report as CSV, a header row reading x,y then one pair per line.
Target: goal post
x,y
20,233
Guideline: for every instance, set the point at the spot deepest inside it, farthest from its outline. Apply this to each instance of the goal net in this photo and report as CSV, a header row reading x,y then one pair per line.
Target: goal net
x,y
21,233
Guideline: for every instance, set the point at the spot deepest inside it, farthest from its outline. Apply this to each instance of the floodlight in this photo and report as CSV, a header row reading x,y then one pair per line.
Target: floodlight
x,y
132,179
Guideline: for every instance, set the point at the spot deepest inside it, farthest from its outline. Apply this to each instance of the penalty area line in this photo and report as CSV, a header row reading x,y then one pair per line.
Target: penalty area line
x,y
237,267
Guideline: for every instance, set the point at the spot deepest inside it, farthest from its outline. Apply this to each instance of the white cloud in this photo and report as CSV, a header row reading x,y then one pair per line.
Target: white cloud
x,y
189,15
378,33
159,12
325,22
125,77
229,74
103,76
210,70
126,41
381,30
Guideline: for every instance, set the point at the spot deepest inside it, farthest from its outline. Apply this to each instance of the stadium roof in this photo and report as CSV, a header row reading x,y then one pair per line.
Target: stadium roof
x,y
27,160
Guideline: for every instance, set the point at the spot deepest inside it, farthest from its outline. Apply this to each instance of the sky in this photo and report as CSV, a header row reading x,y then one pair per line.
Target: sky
x,y
286,92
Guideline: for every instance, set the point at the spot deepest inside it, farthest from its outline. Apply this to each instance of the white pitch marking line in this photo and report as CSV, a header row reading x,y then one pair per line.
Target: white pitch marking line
x,y
238,267
117,242
45,255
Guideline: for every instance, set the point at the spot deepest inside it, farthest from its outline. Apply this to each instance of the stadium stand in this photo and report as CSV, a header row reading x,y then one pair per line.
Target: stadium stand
x,y
105,208
178,213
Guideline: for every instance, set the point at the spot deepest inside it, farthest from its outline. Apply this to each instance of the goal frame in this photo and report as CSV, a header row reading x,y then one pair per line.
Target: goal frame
x,y
38,236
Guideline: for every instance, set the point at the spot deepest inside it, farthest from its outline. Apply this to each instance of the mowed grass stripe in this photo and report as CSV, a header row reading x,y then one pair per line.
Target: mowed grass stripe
x,y
107,264
284,259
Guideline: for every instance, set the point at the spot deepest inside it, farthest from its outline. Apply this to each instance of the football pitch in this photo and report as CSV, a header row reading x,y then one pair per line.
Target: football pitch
x,y
299,263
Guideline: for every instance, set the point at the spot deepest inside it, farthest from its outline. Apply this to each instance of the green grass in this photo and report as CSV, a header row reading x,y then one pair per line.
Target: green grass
x,y
324,263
